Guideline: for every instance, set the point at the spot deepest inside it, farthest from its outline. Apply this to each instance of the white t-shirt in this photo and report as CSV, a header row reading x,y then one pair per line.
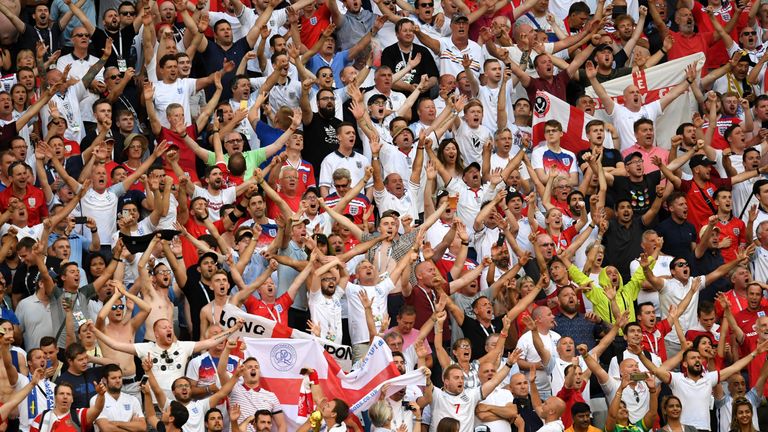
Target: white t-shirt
x,y
471,141
326,312
102,207
166,371
498,397
637,398
460,407
215,202
529,354
180,92
358,329
489,97
556,368
624,120
695,396
121,409
613,366
197,410
672,293
449,61
660,269
40,400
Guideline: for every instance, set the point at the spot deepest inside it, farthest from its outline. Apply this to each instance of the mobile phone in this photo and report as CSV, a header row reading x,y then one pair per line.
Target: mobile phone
x,y
79,318
125,214
144,380
220,115
500,240
407,406
80,220
638,376
48,364
243,105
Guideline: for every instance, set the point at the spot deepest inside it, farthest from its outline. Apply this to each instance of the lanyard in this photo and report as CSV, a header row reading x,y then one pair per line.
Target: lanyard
x,y
410,53
205,293
653,342
277,318
50,39
429,298
493,329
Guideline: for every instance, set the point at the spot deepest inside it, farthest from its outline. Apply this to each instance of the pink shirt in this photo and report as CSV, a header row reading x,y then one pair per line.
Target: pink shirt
x,y
648,166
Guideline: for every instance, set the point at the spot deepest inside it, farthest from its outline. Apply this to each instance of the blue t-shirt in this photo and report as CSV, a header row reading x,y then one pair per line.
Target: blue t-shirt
x,y
339,61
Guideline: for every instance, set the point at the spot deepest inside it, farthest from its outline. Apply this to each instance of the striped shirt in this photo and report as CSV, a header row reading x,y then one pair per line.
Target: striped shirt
x,y
253,399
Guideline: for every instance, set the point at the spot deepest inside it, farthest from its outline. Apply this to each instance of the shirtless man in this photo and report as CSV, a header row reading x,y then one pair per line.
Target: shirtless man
x,y
155,289
114,320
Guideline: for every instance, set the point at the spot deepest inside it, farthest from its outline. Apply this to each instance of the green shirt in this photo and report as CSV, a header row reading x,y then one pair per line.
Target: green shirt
x,y
253,158
638,426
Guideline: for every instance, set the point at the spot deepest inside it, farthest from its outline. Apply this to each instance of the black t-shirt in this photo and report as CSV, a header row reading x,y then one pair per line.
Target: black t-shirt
x,y
641,194
84,389
397,60
122,41
677,238
24,280
321,136
477,334
198,295
622,245
611,157
32,35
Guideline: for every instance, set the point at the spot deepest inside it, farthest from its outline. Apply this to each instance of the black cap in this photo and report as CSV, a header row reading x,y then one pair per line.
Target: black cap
x,y
603,47
472,165
313,190
631,156
700,160
376,97
213,255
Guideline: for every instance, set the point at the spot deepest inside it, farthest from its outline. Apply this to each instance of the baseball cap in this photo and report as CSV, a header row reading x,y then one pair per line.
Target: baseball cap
x,y
212,255
458,17
700,160
632,155
472,165
377,97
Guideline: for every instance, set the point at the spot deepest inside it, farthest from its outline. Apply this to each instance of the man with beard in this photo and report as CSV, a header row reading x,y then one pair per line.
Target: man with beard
x,y
214,420
110,320
321,124
248,393
121,411
673,290
122,38
215,193
633,183
694,388
166,356
182,393
326,289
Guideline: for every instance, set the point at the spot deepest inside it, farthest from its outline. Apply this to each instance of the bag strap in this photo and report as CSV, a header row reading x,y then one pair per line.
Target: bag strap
x,y
706,198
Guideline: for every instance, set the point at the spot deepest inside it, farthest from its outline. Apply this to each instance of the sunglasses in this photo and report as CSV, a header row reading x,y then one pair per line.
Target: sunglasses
x,y
426,4
114,76
128,13
118,307
749,33
80,35
681,264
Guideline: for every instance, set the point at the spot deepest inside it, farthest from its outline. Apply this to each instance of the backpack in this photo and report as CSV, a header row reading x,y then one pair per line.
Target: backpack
x,y
72,414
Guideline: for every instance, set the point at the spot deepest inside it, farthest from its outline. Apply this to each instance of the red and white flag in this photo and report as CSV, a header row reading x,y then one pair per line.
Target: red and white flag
x,y
548,107
281,361
654,83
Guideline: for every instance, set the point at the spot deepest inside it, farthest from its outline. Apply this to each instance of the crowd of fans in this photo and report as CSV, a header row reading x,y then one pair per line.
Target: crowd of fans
x,y
355,169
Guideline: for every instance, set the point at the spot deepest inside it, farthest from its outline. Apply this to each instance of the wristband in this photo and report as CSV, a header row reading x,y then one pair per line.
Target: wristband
x,y
93,231
465,243
592,225
374,158
689,81
509,365
117,259
663,52
179,257
184,136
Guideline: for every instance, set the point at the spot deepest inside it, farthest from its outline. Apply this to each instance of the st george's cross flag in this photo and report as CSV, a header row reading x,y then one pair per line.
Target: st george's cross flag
x,y
548,107
282,360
